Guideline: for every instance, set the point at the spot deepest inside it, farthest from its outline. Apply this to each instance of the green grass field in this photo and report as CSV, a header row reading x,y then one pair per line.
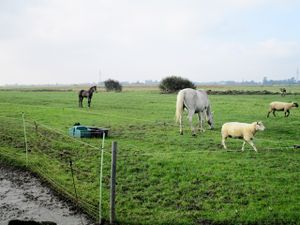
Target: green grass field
x,y
162,177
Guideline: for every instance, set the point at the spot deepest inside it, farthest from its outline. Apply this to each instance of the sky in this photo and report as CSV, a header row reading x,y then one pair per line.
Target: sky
x,y
88,41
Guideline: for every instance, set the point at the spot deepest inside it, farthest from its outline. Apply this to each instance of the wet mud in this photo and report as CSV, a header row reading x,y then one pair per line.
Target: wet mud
x,y
25,197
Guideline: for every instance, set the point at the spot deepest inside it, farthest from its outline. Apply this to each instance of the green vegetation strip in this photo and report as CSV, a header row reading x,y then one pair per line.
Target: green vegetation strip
x,y
162,177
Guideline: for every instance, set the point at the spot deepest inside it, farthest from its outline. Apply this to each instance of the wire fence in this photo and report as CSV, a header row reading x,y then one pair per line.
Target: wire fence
x,y
58,158
148,179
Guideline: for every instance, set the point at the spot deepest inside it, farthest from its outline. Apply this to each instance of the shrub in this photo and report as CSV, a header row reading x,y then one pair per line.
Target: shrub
x,y
173,84
112,85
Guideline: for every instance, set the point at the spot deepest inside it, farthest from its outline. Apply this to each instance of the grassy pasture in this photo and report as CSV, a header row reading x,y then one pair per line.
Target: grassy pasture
x,y
162,177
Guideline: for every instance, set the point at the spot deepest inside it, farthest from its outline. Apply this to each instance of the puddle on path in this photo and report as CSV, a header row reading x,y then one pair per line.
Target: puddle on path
x,y
24,197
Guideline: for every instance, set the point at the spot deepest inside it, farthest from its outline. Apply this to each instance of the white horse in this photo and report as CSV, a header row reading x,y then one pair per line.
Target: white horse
x,y
195,101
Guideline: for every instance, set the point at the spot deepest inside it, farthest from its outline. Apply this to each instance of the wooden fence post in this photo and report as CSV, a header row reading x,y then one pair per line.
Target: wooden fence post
x,y
113,182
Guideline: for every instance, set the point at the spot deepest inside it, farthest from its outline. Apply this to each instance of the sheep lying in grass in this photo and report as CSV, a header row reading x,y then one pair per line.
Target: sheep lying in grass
x,y
281,106
244,131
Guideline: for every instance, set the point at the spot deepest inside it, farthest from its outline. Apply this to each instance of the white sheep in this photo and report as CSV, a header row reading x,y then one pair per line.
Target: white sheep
x,y
281,106
244,131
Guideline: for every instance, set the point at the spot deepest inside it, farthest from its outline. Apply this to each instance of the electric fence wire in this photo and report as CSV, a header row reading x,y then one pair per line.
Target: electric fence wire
x,y
185,152
72,138
63,165
47,140
61,189
46,175
88,174
41,169
167,153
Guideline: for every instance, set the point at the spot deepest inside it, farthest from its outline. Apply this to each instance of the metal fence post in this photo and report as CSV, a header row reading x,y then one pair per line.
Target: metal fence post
x,y
100,179
25,138
113,182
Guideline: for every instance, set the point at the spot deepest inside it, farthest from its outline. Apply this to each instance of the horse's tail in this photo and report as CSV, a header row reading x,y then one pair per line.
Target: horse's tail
x,y
179,105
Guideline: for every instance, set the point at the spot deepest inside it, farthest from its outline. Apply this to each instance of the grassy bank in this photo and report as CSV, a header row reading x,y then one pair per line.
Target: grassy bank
x,y
162,177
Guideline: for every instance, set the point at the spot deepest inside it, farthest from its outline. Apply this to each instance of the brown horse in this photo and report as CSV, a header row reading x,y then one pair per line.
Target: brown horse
x,y
86,94
283,92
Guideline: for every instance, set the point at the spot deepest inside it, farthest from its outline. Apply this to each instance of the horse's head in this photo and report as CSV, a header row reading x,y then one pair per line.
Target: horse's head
x,y
93,89
210,119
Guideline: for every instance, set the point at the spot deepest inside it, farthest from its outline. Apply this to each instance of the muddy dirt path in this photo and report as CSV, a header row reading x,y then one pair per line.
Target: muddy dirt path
x,y
24,197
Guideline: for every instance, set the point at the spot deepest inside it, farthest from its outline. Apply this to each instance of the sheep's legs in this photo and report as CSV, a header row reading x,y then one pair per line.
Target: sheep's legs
x,y
287,113
252,144
243,145
223,142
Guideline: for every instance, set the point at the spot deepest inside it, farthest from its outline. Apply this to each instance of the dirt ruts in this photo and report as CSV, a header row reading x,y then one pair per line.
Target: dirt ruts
x,y
24,197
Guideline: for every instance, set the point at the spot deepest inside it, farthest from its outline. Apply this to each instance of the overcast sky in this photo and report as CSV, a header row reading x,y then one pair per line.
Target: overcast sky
x,y
85,41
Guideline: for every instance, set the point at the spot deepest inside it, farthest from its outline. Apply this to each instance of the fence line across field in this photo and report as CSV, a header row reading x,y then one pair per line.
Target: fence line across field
x,y
61,142
276,148
101,166
45,163
44,153
89,206
176,153
200,151
42,169
63,134
93,208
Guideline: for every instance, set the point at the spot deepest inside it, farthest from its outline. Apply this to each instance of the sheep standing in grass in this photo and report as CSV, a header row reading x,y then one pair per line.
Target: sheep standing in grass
x,y
244,131
281,106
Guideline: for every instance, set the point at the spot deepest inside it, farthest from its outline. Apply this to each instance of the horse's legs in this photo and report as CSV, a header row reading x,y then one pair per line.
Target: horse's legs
x,y
80,101
89,102
201,117
180,125
190,116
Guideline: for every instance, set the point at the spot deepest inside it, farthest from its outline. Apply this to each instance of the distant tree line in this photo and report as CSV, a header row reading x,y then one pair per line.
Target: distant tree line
x,y
174,83
112,85
291,80
265,81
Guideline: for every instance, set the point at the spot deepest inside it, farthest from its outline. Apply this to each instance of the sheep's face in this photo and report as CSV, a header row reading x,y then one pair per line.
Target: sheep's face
x,y
259,126
295,104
